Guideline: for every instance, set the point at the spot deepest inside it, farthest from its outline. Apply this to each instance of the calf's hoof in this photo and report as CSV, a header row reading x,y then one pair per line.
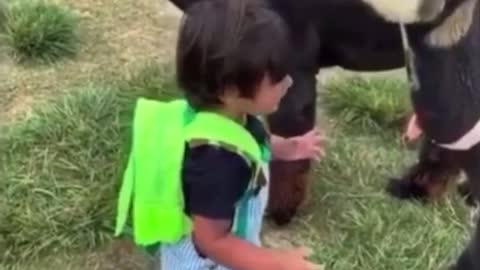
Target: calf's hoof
x,y
405,189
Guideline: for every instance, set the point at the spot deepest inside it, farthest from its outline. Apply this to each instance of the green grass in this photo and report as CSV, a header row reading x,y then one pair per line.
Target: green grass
x,y
369,105
40,31
150,80
3,14
361,227
60,169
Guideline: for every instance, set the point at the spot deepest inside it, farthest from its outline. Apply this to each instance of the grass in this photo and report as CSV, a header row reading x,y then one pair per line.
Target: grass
x,y
115,37
60,169
361,227
368,104
3,14
59,174
40,31
357,225
152,80
350,222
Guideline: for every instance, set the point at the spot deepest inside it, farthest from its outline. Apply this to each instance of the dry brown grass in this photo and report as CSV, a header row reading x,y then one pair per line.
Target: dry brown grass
x,y
116,34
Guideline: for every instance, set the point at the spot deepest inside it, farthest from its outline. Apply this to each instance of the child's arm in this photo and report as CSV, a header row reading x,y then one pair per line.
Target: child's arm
x,y
212,238
214,179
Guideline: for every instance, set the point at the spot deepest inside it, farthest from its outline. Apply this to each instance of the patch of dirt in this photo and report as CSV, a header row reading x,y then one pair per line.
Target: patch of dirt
x,y
279,238
119,255
116,34
300,232
20,105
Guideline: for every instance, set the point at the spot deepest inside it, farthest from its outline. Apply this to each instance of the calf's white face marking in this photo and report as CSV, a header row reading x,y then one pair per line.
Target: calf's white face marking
x,y
454,27
406,11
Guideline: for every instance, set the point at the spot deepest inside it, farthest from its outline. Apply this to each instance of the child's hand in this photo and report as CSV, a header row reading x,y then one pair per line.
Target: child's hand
x,y
309,145
306,146
296,260
412,131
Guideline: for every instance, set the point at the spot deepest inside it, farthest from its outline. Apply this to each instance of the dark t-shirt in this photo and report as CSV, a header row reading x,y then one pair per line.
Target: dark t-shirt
x,y
214,178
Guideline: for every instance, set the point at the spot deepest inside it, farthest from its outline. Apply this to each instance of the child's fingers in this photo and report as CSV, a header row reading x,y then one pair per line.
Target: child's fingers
x,y
317,150
313,266
413,131
318,157
321,136
304,251
321,139
307,252
319,143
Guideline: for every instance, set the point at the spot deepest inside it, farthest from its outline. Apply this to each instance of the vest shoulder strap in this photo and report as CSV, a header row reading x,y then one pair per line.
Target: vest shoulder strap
x,y
211,128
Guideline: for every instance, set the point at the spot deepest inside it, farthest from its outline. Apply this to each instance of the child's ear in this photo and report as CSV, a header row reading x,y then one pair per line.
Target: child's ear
x,y
229,95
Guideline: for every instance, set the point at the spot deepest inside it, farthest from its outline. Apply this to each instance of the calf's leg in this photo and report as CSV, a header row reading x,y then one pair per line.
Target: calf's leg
x,y
290,179
470,257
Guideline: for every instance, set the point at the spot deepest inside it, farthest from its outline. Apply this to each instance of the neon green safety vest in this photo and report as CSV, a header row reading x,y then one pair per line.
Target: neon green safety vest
x,y
151,190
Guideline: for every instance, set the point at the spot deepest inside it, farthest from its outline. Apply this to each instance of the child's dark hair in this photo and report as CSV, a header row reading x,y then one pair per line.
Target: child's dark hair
x,y
229,43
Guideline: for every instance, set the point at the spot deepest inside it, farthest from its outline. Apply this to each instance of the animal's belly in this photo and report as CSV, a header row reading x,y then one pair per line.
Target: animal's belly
x,y
369,59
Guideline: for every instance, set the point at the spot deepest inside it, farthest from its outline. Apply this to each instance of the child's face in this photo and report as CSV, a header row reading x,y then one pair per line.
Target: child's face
x,y
268,96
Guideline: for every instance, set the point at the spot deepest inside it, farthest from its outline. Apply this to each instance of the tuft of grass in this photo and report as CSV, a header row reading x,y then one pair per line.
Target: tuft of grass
x,y
39,31
3,15
368,104
152,80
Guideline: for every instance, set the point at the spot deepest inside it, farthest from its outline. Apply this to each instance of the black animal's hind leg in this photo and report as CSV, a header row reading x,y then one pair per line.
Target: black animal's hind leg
x,y
429,178
465,190
470,257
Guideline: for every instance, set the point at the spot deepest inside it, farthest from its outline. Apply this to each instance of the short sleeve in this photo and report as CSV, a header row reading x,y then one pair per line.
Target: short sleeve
x,y
214,179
